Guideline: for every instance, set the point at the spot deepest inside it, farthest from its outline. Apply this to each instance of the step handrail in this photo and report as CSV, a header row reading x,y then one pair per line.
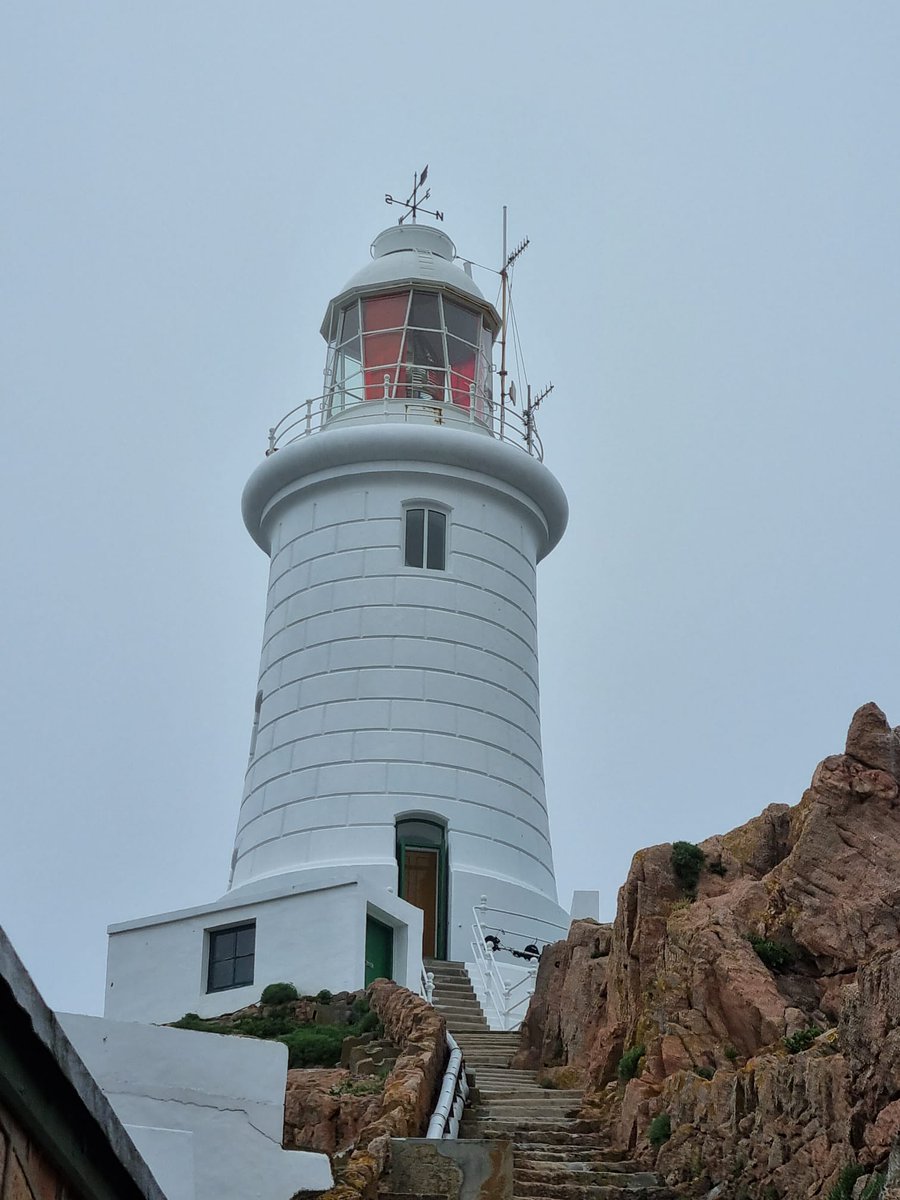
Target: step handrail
x,y
452,1097
497,990
454,1093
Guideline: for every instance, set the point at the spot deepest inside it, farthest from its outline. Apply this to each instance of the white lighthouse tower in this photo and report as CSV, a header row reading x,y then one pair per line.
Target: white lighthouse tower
x,y
394,794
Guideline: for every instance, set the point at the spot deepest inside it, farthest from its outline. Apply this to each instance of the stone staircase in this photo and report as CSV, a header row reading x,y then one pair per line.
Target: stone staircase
x,y
455,997
556,1155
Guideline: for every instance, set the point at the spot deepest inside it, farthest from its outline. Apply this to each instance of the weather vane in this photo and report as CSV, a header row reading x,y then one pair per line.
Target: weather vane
x,y
413,204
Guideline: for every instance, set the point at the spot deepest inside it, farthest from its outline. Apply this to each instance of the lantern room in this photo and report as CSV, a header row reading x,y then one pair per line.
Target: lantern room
x,y
410,333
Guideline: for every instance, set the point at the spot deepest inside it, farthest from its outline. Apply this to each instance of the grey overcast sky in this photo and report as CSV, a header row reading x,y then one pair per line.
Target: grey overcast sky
x,y
713,285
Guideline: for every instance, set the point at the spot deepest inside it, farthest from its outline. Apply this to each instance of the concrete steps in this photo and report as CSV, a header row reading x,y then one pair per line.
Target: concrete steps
x,y
557,1155
455,998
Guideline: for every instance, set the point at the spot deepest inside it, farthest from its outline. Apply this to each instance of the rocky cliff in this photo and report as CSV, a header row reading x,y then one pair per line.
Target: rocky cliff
x,y
742,1012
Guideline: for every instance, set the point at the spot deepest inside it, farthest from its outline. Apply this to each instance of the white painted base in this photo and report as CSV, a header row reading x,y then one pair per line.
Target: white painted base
x,y
206,1111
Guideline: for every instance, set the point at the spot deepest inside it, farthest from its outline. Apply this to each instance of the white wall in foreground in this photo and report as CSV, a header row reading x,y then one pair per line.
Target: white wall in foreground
x,y
225,1093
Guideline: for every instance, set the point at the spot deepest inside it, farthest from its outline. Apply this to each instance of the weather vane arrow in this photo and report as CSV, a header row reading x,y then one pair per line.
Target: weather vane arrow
x,y
413,204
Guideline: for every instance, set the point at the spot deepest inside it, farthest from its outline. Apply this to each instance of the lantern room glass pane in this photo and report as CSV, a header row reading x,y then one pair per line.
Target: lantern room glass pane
x,y
424,312
385,312
381,357
461,322
425,349
350,322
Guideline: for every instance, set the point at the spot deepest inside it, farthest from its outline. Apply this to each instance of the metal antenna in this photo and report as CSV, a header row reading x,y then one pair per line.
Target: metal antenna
x,y
508,260
413,204
530,409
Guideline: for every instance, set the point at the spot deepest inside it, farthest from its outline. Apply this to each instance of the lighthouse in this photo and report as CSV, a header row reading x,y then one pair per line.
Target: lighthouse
x,y
394,807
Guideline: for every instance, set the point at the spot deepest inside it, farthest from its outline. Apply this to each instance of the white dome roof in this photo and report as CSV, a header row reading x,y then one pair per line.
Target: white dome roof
x,y
406,255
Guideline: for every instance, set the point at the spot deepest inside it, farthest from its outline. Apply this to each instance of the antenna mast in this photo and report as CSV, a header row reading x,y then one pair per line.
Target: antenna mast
x,y
508,260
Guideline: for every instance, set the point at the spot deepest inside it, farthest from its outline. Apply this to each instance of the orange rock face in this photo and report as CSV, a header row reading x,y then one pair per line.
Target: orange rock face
x,y
403,1107
319,1115
818,887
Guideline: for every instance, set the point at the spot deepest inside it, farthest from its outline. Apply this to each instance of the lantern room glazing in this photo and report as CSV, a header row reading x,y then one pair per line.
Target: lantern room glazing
x,y
410,345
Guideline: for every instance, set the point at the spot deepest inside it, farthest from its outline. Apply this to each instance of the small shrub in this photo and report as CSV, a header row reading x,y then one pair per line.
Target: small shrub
x,y
629,1063
369,1024
314,1045
803,1039
874,1187
265,1027
367,1086
278,993
660,1129
687,863
548,1084
775,956
843,1189
717,868
324,997
731,1053
193,1021
704,1072
359,1009
770,1192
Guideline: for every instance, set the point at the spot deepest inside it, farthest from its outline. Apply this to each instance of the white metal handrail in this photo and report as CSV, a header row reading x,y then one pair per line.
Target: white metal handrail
x,y
319,413
502,995
454,1093
452,1097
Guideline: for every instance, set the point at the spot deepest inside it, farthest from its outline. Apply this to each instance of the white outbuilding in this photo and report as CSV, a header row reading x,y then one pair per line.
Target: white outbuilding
x,y
394,802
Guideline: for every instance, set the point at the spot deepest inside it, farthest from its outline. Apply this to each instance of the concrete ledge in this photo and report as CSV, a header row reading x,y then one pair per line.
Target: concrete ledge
x,y
392,446
460,1170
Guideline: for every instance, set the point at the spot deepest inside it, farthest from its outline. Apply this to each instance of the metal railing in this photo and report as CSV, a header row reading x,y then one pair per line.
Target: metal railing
x,y
331,410
506,997
454,1093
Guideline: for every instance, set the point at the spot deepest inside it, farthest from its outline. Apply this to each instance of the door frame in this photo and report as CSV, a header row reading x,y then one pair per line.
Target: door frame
x,y
388,929
413,843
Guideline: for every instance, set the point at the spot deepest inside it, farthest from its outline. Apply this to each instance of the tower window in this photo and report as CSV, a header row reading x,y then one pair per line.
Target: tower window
x,y
426,539
231,955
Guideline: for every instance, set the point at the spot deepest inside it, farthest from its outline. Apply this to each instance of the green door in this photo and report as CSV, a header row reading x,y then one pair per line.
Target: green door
x,y
379,951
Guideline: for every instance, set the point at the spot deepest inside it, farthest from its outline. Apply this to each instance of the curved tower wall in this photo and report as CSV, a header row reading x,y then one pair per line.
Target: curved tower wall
x,y
388,690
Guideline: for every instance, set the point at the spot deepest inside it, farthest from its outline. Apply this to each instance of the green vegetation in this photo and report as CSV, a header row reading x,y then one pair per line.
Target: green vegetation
x,y
629,1063
315,1045
731,1053
874,1187
705,1072
278,993
843,1189
717,867
309,1045
660,1129
773,954
367,1086
687,863
324,997
547,1083
803,1039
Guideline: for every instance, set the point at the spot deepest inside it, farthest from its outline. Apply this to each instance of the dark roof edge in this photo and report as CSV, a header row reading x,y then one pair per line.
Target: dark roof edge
x,y
54,1097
